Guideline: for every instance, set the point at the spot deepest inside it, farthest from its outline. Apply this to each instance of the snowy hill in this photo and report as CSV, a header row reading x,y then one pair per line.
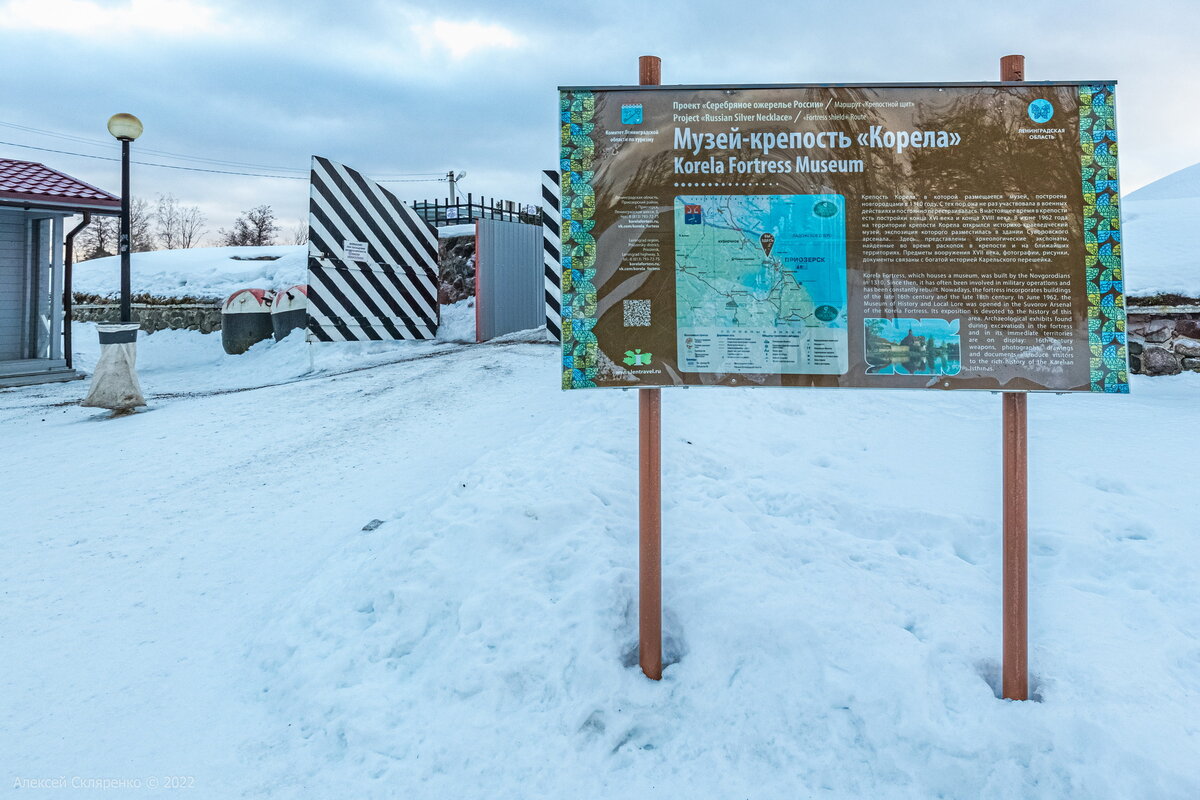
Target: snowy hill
x,y
1160,221
208,272
201,272
1182,184
409,570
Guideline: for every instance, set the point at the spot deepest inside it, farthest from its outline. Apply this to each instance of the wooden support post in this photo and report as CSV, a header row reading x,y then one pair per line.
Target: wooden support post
x,y
1015,670
649,70
650,490
1012,68
650,532
1015,682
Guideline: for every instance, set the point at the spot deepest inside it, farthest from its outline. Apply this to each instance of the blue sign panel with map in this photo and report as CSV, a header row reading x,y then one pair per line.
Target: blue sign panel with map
x,y
751,273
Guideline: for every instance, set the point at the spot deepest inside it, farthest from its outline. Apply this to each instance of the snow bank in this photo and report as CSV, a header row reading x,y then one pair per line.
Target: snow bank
x,y
1159,222
182,361
458,322
202,272
450,231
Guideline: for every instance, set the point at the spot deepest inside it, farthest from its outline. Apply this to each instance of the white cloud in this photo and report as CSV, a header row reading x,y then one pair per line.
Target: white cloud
x,y
90,19
462,39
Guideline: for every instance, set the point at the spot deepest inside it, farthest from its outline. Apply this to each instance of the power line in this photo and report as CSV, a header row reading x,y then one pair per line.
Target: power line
x,y
184,156
102,143
151,164
215,171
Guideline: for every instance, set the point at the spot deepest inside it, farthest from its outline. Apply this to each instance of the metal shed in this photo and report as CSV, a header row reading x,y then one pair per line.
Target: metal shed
x,y
35,202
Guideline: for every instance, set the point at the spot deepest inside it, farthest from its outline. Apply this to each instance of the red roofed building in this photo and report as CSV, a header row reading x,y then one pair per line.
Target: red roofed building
x,y
35,202
27,184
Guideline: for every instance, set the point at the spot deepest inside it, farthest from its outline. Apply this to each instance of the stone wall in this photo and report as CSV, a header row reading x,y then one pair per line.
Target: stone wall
x,y
1164,341
456,267
203,317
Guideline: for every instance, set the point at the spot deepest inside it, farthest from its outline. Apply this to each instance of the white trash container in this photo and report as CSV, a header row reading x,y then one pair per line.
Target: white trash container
x,y
115,383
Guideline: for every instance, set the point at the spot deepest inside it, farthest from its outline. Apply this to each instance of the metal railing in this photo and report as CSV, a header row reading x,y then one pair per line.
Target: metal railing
x,y
441,213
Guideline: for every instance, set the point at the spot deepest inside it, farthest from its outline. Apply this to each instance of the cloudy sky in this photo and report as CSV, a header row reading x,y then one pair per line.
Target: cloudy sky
x,y
408,90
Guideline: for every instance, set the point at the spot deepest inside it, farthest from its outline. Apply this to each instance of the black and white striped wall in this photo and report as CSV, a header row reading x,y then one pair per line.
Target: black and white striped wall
x,y
372,262
552,250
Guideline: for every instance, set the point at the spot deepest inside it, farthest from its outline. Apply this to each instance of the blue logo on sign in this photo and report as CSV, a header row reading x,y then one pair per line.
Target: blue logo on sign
x,y
631,114
692,215
1041,111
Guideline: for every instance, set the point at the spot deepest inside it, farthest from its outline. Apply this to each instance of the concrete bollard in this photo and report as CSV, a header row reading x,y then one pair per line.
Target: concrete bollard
x,y
289,311
246,319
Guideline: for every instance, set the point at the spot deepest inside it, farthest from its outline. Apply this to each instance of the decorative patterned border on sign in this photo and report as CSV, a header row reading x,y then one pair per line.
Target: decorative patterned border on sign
x,y
580,352
1102,240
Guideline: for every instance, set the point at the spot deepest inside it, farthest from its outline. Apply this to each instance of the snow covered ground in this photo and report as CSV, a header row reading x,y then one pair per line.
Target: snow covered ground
x,y
193,590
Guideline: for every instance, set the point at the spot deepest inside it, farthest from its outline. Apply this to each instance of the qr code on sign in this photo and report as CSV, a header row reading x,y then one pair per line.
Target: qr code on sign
x,y
637,313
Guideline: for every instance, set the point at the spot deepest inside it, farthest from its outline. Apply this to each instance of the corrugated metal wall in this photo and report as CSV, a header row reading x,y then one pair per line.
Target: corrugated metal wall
x,y
509,291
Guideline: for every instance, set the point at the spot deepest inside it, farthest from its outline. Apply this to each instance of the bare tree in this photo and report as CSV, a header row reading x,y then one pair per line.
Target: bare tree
x,y
255,227
166,221
99,239
300,233
140,217
175,226
191,226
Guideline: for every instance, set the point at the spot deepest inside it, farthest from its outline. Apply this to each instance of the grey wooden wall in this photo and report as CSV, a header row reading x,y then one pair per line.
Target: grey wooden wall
x,y
14,319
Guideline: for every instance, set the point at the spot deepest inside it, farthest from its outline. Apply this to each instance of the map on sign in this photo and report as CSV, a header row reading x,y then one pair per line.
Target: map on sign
x,y
760,284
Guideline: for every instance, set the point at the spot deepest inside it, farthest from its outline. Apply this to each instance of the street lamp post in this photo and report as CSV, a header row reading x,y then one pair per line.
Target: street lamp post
x,y
126,128
115,383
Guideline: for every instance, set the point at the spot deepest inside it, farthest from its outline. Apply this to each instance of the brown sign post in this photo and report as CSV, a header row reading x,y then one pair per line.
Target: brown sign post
x,y
650,491
1015,671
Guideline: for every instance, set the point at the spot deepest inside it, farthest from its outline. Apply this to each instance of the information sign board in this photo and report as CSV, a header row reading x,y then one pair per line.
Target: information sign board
x,y
952,236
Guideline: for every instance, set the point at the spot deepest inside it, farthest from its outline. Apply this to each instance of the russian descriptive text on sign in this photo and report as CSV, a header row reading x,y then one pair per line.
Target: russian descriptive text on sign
x,y
949,237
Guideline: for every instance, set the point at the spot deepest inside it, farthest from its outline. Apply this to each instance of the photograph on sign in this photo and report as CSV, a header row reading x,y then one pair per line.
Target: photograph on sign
x,y
896,236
